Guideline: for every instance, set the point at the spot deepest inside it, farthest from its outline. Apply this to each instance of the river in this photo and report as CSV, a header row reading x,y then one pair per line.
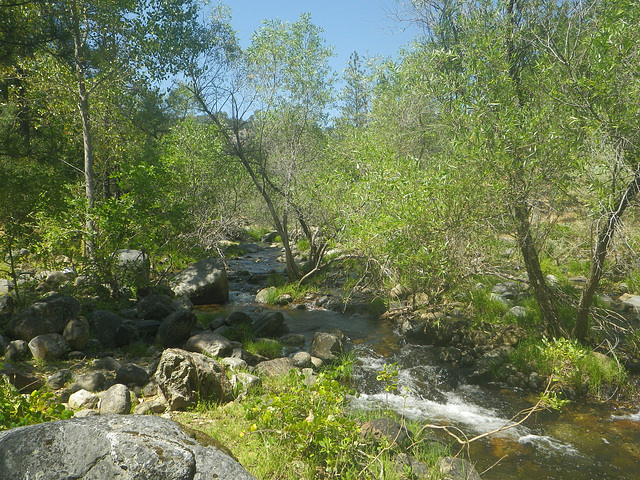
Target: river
x,y
581,442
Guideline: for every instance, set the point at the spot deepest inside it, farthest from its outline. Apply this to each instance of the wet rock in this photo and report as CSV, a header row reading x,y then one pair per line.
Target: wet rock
x,y
204,282
209,343
453,468
83,399
486,365
269,324
114,446
176,328
276,367
325,345
131,374
76,333
48,315
185,377
116,401
48,347
104,325
385,428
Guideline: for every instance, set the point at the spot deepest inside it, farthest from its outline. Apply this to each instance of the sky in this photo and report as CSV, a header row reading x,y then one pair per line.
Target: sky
x,y
349,25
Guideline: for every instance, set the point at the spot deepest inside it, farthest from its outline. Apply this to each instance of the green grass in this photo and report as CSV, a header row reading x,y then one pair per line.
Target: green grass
x,y
311,426
264,347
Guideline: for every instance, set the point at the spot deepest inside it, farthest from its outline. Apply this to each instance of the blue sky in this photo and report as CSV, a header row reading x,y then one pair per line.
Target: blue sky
x,y
349,25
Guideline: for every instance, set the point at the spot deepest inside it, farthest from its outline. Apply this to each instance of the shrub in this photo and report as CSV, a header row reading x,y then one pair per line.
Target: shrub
x,y
17,410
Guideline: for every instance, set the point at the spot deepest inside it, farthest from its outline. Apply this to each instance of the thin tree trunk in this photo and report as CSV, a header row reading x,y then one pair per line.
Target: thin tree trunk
x,y
83,108
537,281
606,230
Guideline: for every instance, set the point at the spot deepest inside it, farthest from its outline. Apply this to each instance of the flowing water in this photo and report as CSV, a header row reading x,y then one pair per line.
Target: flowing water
x,y
579,443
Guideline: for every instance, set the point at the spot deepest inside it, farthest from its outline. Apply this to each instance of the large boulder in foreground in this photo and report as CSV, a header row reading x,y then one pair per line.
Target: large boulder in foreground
x,y
205,282
114,446
48,315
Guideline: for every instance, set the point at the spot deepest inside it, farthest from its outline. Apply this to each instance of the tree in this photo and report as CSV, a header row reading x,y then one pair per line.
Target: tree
x,y
356,95
283,79
593,51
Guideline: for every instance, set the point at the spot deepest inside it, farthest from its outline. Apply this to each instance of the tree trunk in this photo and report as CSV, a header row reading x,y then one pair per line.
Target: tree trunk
x,y
83,108
606,230
541,292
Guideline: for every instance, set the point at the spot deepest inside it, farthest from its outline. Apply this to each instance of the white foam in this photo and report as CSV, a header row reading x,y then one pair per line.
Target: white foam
x,y
548,443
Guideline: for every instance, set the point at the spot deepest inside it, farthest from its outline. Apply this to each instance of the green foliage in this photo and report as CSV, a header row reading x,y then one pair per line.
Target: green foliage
x,y
266,347
17,410
486,308
313,421
569,363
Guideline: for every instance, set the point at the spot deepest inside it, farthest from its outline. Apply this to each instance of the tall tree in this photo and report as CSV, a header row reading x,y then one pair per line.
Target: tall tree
x,y
356,95
283,80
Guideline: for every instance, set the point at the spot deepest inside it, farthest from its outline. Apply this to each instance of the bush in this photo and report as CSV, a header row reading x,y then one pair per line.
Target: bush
x,y
17,410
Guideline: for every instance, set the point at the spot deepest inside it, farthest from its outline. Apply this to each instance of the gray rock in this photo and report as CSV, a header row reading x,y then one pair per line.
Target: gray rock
x,y
406,463
204,282
209,343
284,299
325,345
155,307
83,399
16,350
246,380
248,357
150,407
5,286
234,363
48,315
486,365
76,333
114,446
239,318
86,412
457,469
132,375
269,324
276,367
58,379
265,294
517,311
7,305
147,328
384,428
185,377
176,328
292,340
108,363
116,400
104,325
48,347
93,381
302,360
